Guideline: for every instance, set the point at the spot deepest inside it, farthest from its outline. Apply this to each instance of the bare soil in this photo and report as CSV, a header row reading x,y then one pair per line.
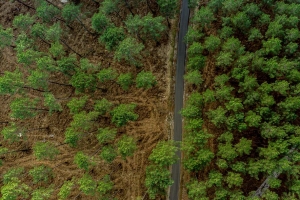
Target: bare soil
x,y
152,106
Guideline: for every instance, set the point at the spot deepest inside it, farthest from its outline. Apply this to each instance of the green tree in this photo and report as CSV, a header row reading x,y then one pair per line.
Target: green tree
x,y
244,146
82,160
38,79
194,77
227,151
217,116
272,46
82,81
102,106
77,104
108,74
125,80
42,193
106,135
215,179
190,112
233,179
51,102
197,190
84,121
6,37
57,50
87,185
241,21
167,7
281,87
45,150
23,108
65,190
53,32
23,22
41,173
212,43
145,80
126,146
152,27
46,63
254,34
123,113
232,6
72,136
67,64
112,37
14,190
108,153
208,96
13,174
252,119
13,133
234,104
164,153
105,185
204,16
224,59
198,160
110,6
100,22
129,50
47,12
157,180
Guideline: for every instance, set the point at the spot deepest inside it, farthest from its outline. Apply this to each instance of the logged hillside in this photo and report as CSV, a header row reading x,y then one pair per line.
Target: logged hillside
x,y
242,111
85,90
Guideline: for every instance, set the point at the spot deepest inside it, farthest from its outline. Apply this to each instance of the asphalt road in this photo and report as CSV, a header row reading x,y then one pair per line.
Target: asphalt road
x,y
179,87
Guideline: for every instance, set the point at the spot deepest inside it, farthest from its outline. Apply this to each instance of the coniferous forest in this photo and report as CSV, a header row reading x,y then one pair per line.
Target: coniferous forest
x,y
87,99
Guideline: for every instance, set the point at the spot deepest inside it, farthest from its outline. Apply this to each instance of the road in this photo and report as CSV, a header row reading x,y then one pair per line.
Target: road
x,y
179,88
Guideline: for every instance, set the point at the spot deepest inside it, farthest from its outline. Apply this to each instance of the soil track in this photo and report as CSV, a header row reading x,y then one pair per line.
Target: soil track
x,y
152,106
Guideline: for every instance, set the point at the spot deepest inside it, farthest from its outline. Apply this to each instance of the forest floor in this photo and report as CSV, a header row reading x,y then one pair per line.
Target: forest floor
x,y
153,108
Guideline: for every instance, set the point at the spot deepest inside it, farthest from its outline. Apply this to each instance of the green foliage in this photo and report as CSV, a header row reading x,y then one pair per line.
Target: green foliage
x,y
157,180
168,8
45,63
196,190
108,153
195,49
208,96
254,34
227,151
233,179
13,133
212,43
107,74
193,35
224,93
105,185
215,179
13,174
56,49
244,146
77,104
82,81
204,16
252,119
67,64
45,150
291,48
109,6
87,185
145,80
53,32
47,12
38,30
195,99
42,193
275,29
234,46
14,190
106,135
23,22
84,121
65,190
281,87
194,77
72,136
126,146
123,114
292,35
198,161
164,154
38,79
125,80
41,173
190,112
70,12
23,108
100,22
272,46
232,6
129,50
82,160
217,116
6,37
112,37
224,59
51,102
241,21
102,106
234,104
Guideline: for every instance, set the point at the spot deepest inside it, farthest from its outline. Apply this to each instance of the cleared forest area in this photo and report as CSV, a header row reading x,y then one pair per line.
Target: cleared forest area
x,y
85,90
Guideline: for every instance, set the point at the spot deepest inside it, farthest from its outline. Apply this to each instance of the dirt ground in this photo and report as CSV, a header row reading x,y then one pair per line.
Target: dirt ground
x,y
152,106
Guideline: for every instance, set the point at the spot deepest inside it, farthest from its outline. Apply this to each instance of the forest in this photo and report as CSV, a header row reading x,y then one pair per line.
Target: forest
x,y
241,116
85,95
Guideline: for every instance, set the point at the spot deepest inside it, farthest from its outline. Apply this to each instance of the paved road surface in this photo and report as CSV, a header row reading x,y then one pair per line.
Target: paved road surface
x,y
179,86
